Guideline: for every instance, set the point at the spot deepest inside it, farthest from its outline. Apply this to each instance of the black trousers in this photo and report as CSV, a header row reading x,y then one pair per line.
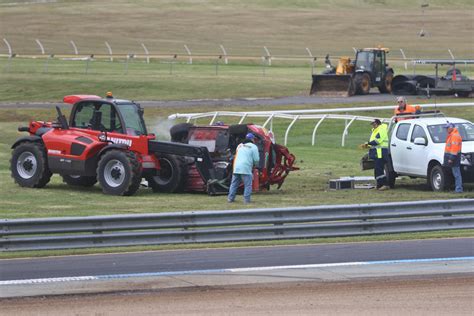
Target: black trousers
x,y
379,171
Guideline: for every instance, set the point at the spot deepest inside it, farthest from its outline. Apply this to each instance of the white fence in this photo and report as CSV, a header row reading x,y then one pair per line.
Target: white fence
x,y
315,114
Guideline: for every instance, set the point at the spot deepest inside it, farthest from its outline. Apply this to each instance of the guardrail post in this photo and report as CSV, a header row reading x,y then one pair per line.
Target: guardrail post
x,y
110,51
226,61
269,120
313,139
346,131
243,118
268,56
289,127
76,51
404,57
10,51
47,62
129,58
213,118
312,59
189,54
40,46
146,53
88,60
451,53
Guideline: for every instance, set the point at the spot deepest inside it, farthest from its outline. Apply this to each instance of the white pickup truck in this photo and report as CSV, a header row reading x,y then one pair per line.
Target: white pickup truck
x,y
416,149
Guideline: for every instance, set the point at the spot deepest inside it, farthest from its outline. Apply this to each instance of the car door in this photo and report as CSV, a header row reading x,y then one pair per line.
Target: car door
x,y
417,155
398,147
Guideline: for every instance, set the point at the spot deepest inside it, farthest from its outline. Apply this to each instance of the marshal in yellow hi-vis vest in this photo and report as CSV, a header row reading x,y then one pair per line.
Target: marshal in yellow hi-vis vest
x,y
378,140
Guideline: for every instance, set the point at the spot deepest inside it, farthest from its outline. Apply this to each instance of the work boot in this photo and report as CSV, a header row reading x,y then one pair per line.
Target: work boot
x,y
384,188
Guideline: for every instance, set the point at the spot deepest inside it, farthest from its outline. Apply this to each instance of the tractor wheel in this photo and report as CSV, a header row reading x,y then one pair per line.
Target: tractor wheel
x,y
386,87
172,177
29,165
119,172
80,181
362,83
179,132
439,179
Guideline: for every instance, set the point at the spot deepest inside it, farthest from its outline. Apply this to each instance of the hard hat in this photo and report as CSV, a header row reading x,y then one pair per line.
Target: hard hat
x,y
250,136
449,125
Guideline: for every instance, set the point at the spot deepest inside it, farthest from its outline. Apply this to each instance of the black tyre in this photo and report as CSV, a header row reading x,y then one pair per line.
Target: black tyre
x,y
29,165
391,176
386,87
179,132
362,83
119,172
81,181
172,177
439,178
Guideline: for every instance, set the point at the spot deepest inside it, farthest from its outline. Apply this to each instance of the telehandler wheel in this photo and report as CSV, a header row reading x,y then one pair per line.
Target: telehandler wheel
x,y
119,172
81,181
439,179
172,177
29,165
362,83
386,87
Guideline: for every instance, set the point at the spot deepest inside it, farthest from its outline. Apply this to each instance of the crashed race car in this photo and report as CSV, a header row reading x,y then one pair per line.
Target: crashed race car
x,y
276,162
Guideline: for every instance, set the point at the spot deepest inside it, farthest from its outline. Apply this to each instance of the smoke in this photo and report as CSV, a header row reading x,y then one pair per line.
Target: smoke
x,y
161,128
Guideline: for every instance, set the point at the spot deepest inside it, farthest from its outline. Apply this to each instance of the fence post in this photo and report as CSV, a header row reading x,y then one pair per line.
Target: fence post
x,y
76,52
313,139
189,54
404,57
346,131
451,53
40,46
146,53
47,62
268,56
226,61
88,60
129,58
110,51
312,59
10,51
289,127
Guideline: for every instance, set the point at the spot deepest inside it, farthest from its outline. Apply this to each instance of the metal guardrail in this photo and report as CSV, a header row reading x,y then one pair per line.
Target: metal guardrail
x,y
235,225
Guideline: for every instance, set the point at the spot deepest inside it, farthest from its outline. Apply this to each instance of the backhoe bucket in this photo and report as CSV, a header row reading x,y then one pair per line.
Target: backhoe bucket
x,y
332,85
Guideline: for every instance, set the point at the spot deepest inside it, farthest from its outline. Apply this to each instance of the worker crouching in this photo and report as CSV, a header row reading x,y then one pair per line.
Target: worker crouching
x,y
378,151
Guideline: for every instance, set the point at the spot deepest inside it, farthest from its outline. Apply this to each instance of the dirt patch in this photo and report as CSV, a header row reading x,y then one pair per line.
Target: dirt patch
x,y
439,295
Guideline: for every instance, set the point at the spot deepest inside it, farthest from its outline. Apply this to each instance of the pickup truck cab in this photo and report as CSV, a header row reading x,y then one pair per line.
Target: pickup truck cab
x,y
416,149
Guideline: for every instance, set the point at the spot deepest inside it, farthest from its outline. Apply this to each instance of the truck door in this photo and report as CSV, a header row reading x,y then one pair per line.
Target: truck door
x,y
418,154
378,67
398,147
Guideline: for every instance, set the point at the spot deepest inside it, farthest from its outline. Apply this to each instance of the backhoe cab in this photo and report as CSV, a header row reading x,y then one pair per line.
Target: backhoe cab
x,y
368,69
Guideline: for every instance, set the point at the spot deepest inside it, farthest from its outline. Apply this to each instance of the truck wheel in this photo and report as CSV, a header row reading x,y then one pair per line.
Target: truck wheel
x,y
386,87
29,165
391,177
172,177
362,83
81,181
119,172
179,132
439,179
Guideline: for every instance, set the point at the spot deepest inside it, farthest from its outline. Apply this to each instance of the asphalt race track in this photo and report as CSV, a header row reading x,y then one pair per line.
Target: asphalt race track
x,y
231,258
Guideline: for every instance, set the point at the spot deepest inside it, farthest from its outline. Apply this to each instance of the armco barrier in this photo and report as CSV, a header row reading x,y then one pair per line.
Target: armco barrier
x,y
235,225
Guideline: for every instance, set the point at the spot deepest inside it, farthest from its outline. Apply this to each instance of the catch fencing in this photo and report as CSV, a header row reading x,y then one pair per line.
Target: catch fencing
x,y
235,225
